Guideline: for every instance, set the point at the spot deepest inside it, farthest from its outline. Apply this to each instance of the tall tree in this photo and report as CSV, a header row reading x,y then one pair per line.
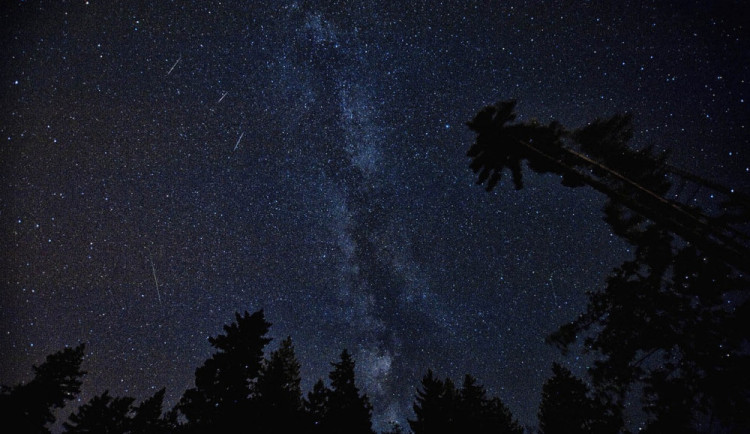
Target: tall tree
x,y
567,406
348,410
279,396
29,407
316,406
223,392
479,414
673,319
434,406
148,417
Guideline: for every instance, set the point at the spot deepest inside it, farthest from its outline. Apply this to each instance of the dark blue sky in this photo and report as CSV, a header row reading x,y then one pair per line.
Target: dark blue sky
x,y
167,164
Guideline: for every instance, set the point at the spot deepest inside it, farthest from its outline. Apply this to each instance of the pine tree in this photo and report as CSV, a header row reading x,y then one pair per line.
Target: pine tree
x,y
279,396
471,402
479,414
348,410
223,392
435,406
29,407
316,407
498,418
567,406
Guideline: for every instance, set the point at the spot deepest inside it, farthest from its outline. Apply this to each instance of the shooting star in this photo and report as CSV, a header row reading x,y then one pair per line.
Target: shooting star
x,y
222,97
238,141
552,286
153,270
175,64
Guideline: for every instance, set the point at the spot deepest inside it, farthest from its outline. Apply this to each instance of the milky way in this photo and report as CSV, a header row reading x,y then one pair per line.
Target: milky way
x,y
166,165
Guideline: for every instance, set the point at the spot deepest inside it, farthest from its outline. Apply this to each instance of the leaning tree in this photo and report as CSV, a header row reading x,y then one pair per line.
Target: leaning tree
x,y
673,319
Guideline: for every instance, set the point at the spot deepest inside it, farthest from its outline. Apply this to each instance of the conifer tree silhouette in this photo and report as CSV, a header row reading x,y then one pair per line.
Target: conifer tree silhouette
x,y
279,396
223,392
148,417
479,414
316,406
347,411
567,407
435,406
29,407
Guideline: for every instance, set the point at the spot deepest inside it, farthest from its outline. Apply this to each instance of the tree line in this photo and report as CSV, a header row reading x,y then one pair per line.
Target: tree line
x,y
237,389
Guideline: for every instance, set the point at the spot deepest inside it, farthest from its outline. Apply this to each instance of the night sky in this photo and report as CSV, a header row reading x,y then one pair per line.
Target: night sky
x,y
164,165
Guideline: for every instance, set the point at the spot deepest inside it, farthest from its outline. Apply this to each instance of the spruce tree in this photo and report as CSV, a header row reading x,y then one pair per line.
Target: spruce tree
x,y
435,406
567,406
470,404
479,414
223,394
316,407
278,392
348,410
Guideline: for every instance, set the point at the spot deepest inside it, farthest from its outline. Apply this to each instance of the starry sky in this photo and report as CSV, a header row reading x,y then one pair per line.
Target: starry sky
x,y
166,164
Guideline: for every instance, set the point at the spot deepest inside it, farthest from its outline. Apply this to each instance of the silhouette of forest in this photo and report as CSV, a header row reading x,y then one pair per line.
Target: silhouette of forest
x,y
666,329
237,389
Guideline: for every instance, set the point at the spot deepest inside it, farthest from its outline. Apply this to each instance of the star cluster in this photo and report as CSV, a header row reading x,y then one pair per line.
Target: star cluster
x,y
166,165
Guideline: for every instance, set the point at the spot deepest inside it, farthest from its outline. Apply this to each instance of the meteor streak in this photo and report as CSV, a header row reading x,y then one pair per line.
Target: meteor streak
x,y
238,141
153,270
175,64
